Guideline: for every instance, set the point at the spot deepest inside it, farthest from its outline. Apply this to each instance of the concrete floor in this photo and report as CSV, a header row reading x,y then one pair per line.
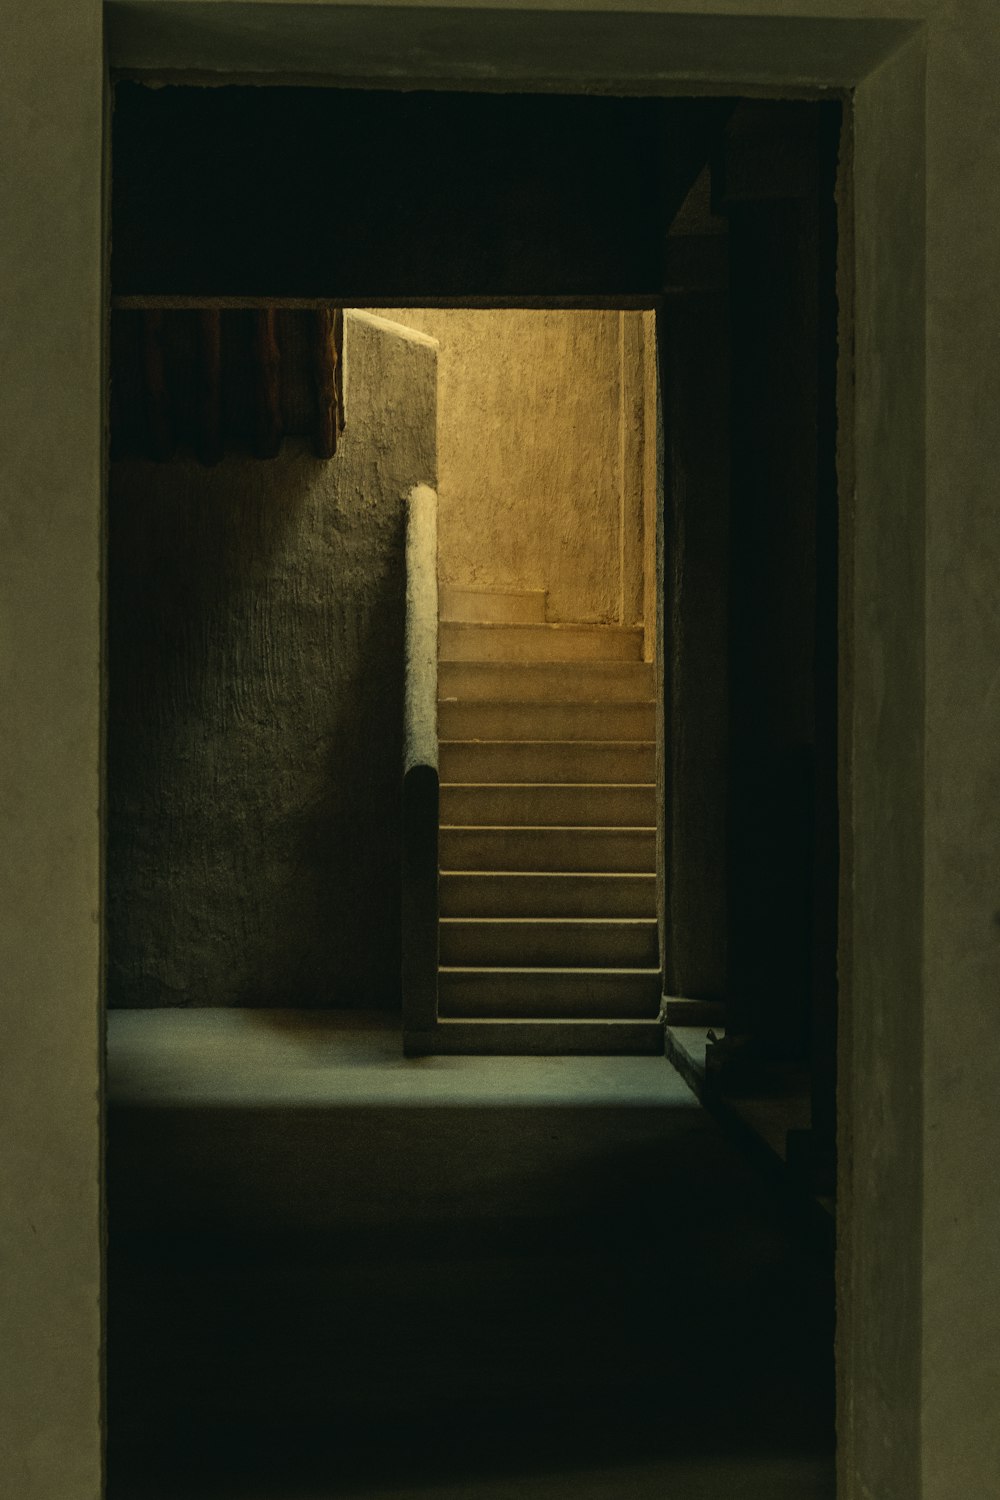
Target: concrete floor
x,y
338,1273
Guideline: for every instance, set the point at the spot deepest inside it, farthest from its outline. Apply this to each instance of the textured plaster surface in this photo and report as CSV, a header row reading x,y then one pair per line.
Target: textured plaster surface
x,y
540,452
882,554
961,1266
50,751
256,706
421,668
570,43
50,279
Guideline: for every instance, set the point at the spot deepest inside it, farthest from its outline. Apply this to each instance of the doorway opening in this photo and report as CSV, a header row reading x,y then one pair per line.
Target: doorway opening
x,y
718,262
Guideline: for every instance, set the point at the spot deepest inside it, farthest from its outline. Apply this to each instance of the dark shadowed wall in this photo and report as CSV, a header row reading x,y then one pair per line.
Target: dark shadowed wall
x,y
469,176
255,652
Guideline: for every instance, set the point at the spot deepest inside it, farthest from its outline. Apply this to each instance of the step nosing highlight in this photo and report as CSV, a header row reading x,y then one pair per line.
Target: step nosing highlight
x,y
547,786
550,874
588,625
576,745
650,1023
561,703
598,666
550,921
550,828
548,969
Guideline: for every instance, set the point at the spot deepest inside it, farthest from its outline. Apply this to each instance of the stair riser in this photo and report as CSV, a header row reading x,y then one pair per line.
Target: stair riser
x,y
588,806
547,895
553,643
541,682
561,761
562,996
547,1038
467,942
630,851
546,721
476,606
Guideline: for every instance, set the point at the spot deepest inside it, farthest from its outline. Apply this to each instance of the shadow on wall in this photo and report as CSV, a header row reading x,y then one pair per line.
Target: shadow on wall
x,y
255,707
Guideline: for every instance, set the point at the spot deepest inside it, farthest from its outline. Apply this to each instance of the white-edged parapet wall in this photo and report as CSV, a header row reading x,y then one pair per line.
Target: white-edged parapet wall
x,y
421,798
256,650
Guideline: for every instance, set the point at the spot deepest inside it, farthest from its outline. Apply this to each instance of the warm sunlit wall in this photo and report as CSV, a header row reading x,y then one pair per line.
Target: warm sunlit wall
x,y
540,441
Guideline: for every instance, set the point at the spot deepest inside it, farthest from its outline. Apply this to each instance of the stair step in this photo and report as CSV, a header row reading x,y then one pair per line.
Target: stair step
x,y
610,850
561,941
547,760
485,720
550,643
541,1038
578,994
580,804
492,606
477,893
546,682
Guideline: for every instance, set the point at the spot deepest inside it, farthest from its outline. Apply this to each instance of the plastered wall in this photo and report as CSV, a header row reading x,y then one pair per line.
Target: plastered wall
x,y
51,503
50,651
540,435
256,706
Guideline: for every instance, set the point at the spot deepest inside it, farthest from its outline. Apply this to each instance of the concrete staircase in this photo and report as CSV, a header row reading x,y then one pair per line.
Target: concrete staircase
x,y
547,740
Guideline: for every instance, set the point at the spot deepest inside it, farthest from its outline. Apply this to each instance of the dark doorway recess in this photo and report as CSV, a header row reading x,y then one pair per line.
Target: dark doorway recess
x,y
367,196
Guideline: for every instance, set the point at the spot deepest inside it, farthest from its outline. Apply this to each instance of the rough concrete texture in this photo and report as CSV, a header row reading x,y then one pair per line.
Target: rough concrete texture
x,y
256,706
51,505
570,45
960,1438
881,805
540,438
50,262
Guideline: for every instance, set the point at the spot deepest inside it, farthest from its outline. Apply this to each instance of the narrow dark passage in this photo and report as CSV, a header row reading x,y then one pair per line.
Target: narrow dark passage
x,y
466,1277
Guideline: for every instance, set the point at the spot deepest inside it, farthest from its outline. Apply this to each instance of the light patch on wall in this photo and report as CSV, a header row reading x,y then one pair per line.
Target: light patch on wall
x,y
540,434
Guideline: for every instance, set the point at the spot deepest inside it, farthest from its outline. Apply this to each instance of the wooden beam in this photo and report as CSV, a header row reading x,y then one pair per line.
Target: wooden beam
x,y
329,418
210,441
267,380
159,426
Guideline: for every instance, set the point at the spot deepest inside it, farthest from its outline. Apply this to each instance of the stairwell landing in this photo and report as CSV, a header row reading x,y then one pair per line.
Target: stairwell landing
x,y
547,754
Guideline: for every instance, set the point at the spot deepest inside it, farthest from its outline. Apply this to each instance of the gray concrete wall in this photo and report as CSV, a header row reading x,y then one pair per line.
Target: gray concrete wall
x,y
256,706
960,1288
881,670
944,1224
540,440
51,544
